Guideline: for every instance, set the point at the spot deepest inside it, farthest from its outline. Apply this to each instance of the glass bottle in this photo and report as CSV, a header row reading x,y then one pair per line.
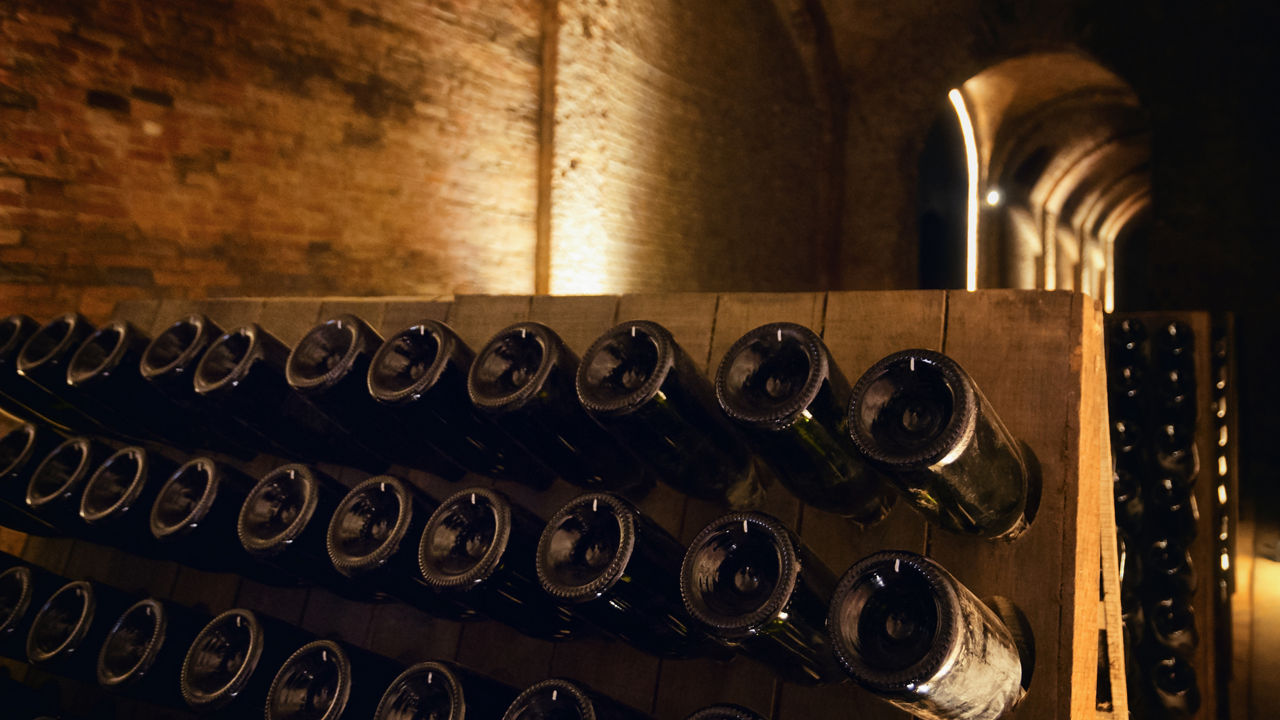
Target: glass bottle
x,y
1171,510
1174,688
725,712
910,633
750,582
443,691
618,569
142,654
1168,560
1173,346
42,362
562,699
918,415
230,665
104,373
117,499
639,383
18,397
1176,395
330,368
243,373
477,550
523,380
24,589
283,521
1175,452
53,494
194,517
1125,338
781,385
71,626
1130,507
1172,622
21,451
372,539
420,375
328,680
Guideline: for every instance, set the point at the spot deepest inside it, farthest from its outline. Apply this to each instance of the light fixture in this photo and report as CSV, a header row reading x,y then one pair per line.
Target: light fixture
x,y
971,162
994,197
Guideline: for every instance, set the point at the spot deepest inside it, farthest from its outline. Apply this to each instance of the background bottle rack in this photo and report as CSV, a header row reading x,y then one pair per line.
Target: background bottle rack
x,y
1038,356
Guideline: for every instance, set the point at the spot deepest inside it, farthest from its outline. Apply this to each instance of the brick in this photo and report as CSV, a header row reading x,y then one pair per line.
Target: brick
x,y
10,237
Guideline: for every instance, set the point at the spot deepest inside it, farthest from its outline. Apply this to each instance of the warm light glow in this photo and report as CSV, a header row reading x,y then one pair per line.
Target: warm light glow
x,y
1222,466
993,197
1226,562
971,162
1222,494
1222,436
1109,283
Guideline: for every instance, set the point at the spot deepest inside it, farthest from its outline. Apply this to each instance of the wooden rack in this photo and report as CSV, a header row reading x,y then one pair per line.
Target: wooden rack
x,y
1036,355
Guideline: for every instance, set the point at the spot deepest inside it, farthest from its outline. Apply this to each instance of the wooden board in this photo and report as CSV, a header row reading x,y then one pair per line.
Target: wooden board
x,y
1037,357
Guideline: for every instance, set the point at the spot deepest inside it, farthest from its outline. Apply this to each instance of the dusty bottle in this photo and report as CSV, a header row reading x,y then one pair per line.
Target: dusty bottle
x,y
618,569
477,549
328,680
24,589
283,521
117,499
781,385
750,582
725,712
1172,622
18,397
373,538
523,380
639,383
230,665
562,699
21,451
42,363
909,632
918,415
443,691
53,493
420,375
1174,689
330,367
71,626
142,654
243,373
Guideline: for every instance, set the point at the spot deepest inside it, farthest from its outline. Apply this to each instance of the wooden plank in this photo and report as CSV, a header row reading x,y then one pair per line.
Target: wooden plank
x,y
289,318
400,314
327,615
690,317
477,318
368,309
142,313
578,320
172,310
1204,549
1033,375
230,313
1110,613
410,635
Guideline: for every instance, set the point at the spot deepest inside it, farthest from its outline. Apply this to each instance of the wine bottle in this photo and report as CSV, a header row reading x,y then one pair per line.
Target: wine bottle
x,y
230,665
618,569
71,626
910,633
725,712
639,383
1173,346
753,585
23,590
194,516
1176,395
329,680
1171,510
283,521
142,654
1175,452
372,539
1172,623
1130,507
781,385
420,375
1126,337
53,493
42,363
918,415
18,397
563,699
1174,688
523,379
117,499
243,373
21,451
1126,389
443,691
1168,560
169,363
104,373
330,367
477,550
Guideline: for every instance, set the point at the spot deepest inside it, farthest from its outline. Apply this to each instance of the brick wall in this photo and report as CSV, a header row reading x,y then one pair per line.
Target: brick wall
x,y
191,148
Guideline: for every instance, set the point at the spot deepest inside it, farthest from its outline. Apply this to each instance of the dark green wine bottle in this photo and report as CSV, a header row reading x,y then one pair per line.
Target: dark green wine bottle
x,y
478,549
24,588
117,499
42,363
443,691
142,654
71,626
53,493
562,699
639,383
909,632
230,665
523,379
329,680
919,416
21,451
750,582
781,384
725,712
